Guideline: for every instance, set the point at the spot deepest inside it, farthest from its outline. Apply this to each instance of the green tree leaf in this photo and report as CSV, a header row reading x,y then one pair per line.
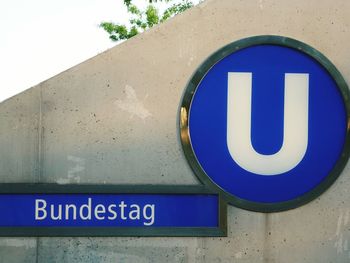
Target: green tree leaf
x,y
141,20
152,16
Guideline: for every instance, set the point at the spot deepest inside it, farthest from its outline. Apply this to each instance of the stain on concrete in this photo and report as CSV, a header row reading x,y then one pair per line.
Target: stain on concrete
x,y
77,166
132,104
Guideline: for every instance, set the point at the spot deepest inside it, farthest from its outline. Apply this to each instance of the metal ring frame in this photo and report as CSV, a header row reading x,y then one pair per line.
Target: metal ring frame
x,y
189,94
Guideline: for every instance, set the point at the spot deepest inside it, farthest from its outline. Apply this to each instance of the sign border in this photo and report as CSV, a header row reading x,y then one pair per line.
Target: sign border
x,y
50,188
186,104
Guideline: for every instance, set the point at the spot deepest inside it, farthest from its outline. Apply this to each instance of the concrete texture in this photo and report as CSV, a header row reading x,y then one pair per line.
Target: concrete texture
x,y
15,250
19,140
113,119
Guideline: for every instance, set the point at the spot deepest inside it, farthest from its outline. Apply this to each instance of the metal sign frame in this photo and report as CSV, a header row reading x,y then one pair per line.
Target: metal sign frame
x,y
189,94
38,188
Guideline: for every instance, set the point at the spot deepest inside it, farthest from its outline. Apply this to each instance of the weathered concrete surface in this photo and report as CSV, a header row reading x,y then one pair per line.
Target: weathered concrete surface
x,y
17,250
113,119
19,140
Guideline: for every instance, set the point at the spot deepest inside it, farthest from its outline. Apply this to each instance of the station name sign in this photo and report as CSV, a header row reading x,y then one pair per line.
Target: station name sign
x,y
109,210
134,211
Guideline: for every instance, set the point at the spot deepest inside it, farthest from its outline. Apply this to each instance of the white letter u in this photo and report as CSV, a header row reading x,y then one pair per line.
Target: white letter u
x,y
295,131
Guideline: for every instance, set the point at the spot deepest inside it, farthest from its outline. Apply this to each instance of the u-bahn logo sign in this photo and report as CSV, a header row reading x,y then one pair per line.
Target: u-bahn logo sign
x,y
264,121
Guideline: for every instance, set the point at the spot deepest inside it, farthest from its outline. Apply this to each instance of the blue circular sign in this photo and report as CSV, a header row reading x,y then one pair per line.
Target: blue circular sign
x,y
264,121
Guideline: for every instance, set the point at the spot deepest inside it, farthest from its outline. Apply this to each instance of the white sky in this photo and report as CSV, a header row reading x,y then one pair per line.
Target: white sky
x,y
41,38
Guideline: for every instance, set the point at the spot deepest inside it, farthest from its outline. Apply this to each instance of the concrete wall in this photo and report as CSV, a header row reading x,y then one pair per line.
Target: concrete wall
x,y
113,119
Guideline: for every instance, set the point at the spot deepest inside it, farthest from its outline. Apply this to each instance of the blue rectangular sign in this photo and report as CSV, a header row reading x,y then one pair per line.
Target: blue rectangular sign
x,y
109,210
